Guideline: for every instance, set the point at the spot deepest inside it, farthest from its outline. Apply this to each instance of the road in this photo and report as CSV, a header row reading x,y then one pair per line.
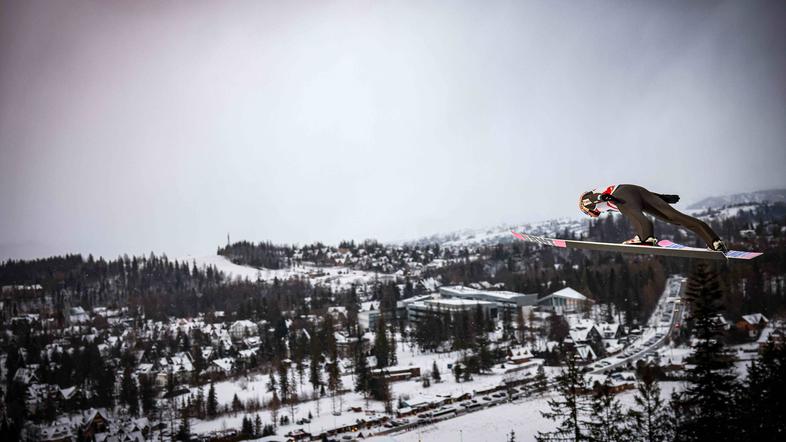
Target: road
x,y
667,314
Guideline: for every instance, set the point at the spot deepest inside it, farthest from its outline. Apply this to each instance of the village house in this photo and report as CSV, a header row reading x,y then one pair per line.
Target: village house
x,y
585,333
57,432
396,374
752,324
221,366
345,343
95,422
180,365
241,329
564,301
585,354
616,382
771,336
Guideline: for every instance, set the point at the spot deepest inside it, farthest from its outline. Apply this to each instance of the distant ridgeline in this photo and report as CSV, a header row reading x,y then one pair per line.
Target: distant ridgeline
x,y
758,197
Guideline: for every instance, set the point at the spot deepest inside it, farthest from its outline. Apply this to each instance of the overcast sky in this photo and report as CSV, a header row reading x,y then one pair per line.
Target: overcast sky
x,y
162,126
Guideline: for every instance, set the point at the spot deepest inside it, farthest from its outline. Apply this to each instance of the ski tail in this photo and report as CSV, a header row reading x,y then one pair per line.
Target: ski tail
x,y
671,199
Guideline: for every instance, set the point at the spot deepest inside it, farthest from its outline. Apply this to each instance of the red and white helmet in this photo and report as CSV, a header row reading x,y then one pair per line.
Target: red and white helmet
x,y
587,205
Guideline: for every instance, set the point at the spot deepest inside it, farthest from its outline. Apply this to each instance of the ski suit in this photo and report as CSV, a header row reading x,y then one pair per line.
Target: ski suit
x,y
634,201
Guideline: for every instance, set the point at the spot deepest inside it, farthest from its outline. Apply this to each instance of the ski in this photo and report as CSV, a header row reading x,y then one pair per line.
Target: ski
x,y
666,248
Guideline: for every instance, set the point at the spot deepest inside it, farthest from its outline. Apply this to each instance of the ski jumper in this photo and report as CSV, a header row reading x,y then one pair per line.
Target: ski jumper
x,y
634,201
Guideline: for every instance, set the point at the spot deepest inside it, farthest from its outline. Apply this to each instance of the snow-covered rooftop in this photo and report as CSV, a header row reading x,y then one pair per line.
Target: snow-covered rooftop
x,y
569,293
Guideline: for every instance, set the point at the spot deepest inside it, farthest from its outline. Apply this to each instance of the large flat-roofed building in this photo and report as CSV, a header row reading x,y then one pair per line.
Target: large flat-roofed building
x,y
504,300
563,301
416,311
367,320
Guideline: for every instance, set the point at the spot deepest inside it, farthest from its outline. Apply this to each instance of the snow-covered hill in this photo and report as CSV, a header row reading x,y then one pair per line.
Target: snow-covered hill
x,y
758,197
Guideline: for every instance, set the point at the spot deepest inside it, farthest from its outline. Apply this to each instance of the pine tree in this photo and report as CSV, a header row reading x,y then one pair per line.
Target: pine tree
x,y
199,363
284,384
435,372
292,402
314,374
272,385
540,384
650,418
392,347
236,404
362,375
485,358
184,431
105,386
762,400
334,380
301,373
507,324
129,393
521,325
380,390
258,426
705,410
247,428
147,393
212,402
571,408
199,403
381,349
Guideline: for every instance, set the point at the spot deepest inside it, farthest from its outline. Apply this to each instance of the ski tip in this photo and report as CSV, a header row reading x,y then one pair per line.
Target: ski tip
x,y
736,254
742,255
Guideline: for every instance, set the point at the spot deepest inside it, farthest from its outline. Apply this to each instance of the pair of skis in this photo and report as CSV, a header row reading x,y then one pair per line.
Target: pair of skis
x,y
665,248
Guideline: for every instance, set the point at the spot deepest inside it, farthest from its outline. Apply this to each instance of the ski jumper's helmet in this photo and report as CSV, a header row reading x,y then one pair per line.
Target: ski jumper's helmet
x,y
587,205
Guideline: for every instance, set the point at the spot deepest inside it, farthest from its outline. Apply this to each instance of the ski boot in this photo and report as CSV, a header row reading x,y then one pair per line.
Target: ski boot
x,y
636,241
719,246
